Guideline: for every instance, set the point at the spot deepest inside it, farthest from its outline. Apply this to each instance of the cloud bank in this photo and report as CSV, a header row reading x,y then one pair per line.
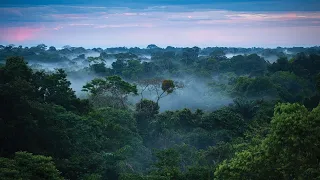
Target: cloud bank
x,y
92,26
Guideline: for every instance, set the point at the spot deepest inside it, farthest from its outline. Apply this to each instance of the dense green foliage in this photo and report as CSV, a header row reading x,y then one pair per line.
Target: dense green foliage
x,y
290,151
29,167
271,130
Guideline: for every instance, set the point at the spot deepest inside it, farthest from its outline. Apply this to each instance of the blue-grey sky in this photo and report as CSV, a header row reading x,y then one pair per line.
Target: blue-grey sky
x,y
105,23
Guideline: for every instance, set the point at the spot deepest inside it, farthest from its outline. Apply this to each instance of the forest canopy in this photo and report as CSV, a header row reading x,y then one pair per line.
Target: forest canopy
x,y
159,113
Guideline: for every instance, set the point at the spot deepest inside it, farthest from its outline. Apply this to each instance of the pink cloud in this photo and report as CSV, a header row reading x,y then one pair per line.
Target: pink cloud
x,y
58,28
18,34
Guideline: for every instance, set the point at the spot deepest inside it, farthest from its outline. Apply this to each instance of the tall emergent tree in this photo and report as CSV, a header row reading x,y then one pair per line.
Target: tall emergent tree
x,y
161,87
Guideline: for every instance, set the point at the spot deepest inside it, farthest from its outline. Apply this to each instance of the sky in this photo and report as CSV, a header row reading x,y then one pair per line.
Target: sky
x,y
131,23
